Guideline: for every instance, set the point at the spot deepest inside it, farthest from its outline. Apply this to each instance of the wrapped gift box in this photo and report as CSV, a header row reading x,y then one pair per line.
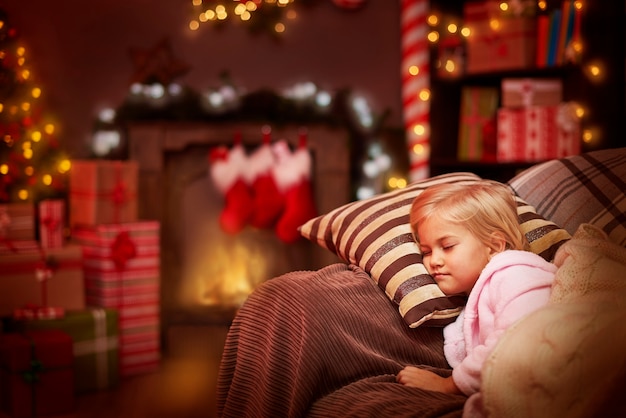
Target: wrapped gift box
x,y
95,336
140,347
15,247
498,41
477,127
103,192
524,92
538,133
36,373
17,221
51,223
122,271
22,269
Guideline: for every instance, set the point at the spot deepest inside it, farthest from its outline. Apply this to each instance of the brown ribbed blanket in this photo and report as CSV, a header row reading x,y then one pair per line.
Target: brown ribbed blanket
x,y
327,343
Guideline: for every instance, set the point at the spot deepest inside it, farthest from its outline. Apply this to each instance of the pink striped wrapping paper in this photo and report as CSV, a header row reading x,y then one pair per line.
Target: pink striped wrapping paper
x,y
537,133
122,271
51,223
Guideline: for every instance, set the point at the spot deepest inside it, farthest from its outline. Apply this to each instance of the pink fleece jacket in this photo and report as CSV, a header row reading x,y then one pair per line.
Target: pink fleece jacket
x,y
512,285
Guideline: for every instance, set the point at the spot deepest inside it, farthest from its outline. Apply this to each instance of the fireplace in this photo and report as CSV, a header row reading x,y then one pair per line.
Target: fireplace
x,y
205,273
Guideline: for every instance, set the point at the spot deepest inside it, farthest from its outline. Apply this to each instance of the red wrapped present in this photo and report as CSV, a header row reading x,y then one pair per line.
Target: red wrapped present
x,y
524,92
498,41
122,271
103,192
21,246
538,133
477,141
51,223
35,278
36,373
17,221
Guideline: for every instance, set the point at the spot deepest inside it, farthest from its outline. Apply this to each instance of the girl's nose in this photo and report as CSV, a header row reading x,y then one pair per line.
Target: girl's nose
x,y
436,260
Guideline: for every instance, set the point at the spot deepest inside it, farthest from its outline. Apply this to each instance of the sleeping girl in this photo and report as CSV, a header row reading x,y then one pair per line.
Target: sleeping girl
x,y
471,244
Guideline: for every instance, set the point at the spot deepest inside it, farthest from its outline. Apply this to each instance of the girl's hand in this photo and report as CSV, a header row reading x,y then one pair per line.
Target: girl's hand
x,y
424,379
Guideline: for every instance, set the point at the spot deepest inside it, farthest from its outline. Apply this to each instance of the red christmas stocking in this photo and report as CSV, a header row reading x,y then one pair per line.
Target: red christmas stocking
x,y
299,200
226,169
268,201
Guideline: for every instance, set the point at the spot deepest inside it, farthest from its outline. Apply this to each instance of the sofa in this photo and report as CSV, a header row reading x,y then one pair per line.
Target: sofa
x,y
329,342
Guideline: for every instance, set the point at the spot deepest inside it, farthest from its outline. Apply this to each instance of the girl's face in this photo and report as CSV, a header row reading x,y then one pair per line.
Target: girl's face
x,y
452,255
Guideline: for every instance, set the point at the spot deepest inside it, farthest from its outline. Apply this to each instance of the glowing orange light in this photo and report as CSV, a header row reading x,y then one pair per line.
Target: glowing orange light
x,y
433,36
64,166
419,129
418,149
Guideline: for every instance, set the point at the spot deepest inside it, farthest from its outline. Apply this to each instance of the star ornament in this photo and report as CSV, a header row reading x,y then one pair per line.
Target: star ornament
x,y
156,65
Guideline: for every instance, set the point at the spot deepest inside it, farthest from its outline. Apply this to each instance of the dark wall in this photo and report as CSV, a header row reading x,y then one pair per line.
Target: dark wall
x,y
80,52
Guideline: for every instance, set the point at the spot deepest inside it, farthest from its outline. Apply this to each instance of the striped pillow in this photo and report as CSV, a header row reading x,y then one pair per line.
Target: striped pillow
x,y
375,235
544,236
586,188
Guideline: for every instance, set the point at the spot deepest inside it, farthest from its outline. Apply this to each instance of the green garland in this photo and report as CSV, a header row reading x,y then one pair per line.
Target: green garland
x,y
263,106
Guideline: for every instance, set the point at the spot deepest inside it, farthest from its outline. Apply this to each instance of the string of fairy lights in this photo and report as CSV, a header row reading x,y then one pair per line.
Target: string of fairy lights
x,y
269,15
31,161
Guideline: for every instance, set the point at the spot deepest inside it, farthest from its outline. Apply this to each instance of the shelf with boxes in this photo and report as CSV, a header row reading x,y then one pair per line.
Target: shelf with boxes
x,y
475,116
486,52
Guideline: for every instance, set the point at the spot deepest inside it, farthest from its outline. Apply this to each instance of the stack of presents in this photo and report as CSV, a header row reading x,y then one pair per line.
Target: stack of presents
x,y
79,291
522,119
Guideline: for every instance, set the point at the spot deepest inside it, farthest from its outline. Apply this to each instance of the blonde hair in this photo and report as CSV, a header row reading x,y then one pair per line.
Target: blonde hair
x,y
484,208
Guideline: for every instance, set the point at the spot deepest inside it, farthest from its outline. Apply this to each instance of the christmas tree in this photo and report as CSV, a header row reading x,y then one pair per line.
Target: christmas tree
x,y
32,164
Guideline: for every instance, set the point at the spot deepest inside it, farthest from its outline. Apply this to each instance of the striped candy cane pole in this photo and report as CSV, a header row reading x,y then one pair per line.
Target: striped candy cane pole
x,y
415,81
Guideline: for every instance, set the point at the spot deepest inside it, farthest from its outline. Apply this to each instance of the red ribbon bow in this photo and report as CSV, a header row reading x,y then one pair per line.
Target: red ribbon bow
x,y
122,250
43,273
50,223
119,194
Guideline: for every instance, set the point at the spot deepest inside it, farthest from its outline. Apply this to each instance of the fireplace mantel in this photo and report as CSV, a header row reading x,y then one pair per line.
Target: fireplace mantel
x,y
149,143
158,148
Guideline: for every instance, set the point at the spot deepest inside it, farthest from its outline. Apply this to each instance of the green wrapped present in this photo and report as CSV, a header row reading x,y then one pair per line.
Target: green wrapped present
x,y
477,125
95,335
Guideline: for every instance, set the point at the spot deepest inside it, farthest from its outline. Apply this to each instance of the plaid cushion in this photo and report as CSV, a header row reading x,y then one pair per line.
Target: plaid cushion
x,y
587,188
375,235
